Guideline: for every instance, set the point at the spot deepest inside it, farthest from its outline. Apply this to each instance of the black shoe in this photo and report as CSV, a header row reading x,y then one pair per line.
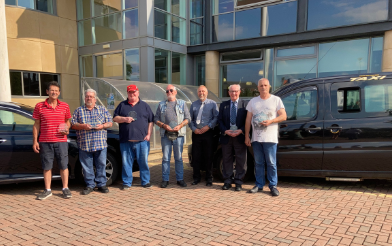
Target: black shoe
x,y
164,184
255,189
226,186
103,189
209,183
44,195
67,193
148,185
87,190
274,191
125,187
181,183
195,182
238,187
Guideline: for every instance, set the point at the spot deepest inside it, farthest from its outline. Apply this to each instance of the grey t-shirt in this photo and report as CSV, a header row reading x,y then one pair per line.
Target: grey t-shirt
x,y
170,115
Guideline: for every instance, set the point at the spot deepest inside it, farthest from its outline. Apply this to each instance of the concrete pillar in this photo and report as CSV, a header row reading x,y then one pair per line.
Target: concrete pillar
x,y
387,52
5,86
212,71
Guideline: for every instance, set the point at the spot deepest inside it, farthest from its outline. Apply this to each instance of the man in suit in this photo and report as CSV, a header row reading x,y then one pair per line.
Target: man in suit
x,y
231,119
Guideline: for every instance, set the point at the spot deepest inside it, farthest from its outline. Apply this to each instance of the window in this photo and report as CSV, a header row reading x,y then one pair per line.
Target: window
x,y
376,54
30,83
106,7
169,20
110,66
132,64
83,9
170,67
250,23
196,14
348,100
200,70
297,69
375,98
86,63
348,13
301,105
130,4
251,3
131,24
11,121
108,28
85,33
41,5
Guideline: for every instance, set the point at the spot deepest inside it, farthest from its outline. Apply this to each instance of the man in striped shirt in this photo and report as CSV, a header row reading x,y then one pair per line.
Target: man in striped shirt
x,y
52,120
90,122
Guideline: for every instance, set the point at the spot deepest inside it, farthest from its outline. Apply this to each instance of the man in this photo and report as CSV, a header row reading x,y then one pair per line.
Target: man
x,y
264,113
232,116
204,115
136,121
90,122
172,116
52,120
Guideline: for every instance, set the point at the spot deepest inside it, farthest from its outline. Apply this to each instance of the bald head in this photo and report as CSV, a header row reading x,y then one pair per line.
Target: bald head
x,y
202,93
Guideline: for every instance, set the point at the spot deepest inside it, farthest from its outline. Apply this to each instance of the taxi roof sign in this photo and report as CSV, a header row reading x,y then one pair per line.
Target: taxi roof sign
x,y
368,77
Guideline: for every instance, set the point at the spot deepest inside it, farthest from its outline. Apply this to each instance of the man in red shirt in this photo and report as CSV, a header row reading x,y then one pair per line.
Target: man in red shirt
x,y
52,120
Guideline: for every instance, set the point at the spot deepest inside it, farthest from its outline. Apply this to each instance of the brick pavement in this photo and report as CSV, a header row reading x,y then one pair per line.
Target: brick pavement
x,y
308,212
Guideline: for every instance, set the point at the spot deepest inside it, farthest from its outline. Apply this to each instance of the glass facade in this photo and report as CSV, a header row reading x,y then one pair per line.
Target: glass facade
x,y
132,64
110,66
196,13
30,83
200,70
162,64
106,7
169,20
41,5
108,28
170,67
86,66
178,68
251,23
131,24
332,13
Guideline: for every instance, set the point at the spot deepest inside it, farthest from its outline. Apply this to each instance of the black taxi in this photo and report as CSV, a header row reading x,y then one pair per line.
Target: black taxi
x,y
338,128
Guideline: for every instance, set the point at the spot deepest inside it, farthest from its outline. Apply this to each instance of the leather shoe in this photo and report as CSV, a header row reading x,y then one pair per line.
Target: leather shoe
x,y
226,186
181,183
195,182
164,184
255,189
274,191
238,187
209,183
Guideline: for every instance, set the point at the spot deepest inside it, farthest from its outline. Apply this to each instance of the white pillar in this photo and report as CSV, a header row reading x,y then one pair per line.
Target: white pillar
x,y
5,86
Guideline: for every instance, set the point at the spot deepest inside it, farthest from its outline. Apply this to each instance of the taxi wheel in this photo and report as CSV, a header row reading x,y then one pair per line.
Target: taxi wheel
x,y
112,170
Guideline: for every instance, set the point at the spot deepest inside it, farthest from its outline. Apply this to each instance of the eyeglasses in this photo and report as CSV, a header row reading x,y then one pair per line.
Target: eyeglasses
x,y
234,91
171,90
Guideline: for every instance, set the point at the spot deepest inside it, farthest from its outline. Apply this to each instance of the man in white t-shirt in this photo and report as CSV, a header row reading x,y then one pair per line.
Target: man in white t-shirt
x,y
264,114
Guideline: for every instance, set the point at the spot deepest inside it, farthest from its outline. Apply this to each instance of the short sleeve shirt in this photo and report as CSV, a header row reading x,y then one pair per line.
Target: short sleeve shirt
x,y
136,130
264,110
50,119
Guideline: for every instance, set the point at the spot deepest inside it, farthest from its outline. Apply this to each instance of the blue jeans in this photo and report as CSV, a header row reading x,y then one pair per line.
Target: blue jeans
x,y
166,150
88,161
265,153
131,151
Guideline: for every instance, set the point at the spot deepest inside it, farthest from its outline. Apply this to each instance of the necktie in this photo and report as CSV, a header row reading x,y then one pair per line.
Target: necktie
x,y
198,119
233,114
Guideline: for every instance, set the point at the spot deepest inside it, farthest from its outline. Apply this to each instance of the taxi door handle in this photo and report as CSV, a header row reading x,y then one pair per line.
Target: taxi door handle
x,y
313,129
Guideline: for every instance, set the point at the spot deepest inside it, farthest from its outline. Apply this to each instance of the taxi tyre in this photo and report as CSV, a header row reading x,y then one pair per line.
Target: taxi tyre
x,y
112,170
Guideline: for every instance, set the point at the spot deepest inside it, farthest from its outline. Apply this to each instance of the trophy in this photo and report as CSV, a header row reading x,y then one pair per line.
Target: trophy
x,y
233,128
62,128
172,124
92,123
133,114
258,118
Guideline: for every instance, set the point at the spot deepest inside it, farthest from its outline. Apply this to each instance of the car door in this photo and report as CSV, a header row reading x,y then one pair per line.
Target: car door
x,y
300,136
18,159
358,129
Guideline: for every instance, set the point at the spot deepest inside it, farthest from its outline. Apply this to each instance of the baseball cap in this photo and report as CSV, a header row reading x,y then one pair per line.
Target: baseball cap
x,y
132,88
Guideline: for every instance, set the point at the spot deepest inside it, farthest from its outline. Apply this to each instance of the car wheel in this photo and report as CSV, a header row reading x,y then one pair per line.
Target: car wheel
x,y
112,169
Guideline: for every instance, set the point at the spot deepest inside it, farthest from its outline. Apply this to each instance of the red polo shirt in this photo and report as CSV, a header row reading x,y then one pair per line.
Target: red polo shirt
x,y
50,119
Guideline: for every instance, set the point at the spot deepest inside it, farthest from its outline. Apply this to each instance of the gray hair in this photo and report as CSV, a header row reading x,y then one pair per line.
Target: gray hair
x,y
174,88
234,84
92,91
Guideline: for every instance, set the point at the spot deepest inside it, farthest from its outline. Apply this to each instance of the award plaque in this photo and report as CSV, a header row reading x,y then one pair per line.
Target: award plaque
x,y
62,128
199,126
133,114
233,128
172,124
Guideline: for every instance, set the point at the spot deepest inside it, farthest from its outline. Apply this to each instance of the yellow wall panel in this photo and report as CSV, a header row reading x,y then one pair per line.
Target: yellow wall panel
x,y
22,23
51,58
68,33
49,28
69,60
66,9
24,55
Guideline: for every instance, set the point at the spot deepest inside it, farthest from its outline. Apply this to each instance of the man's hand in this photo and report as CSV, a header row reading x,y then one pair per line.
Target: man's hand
x,y
128,119
36,147
247,141
147,137
266,123
197,131
236,133
177,128
229,132
99,127
204,129
167,128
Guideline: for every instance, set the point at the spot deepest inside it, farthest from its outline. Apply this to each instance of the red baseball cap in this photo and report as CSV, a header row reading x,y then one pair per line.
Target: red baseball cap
x,y
132,88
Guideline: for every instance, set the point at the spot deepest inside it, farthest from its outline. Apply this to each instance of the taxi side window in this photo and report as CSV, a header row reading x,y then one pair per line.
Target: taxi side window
x,y
302,104
349,100
11,121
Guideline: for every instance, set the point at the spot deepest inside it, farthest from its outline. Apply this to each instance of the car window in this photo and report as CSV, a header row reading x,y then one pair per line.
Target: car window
x,y
301,104
11,121
348,100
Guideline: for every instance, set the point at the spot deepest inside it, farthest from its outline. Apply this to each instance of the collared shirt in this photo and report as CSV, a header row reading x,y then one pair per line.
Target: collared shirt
x,y
50,119
209,115
235,105
91,140
136,130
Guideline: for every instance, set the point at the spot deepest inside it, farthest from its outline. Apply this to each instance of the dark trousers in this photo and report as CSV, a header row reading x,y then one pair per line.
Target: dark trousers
x,y
202,151
228,150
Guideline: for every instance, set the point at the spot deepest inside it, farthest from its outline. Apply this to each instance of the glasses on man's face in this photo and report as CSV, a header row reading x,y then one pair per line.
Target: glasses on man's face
x,y
171,90
90,97
234,91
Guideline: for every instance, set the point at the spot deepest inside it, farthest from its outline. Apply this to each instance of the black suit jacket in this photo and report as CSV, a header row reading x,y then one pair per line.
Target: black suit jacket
x,y
224,120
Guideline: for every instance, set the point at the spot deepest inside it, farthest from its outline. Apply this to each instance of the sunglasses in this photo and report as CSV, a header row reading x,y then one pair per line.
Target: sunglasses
x,y
171,90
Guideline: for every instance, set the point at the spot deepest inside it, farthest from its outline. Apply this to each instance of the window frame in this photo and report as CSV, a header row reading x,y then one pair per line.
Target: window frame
x,y
54,6
39,81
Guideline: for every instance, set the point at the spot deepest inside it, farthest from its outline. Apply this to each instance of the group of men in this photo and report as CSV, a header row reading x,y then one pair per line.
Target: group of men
x,y
136,119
